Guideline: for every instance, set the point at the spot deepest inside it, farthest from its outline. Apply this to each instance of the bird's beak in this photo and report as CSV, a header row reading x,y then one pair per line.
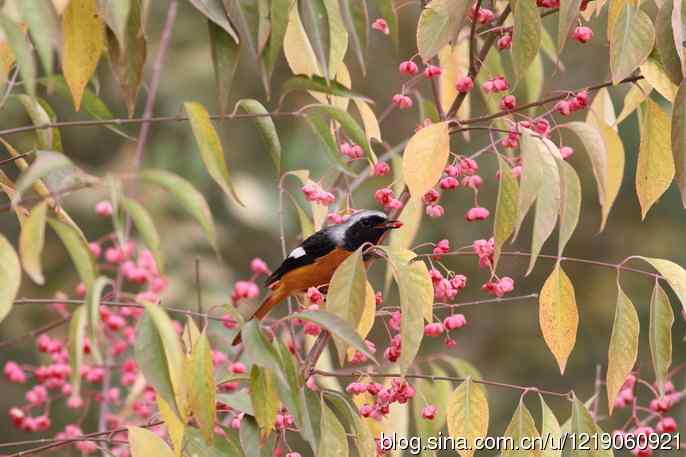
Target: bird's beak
x,y
390,225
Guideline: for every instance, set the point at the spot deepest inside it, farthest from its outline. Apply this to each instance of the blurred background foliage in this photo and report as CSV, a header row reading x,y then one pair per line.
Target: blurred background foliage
x,y
502,340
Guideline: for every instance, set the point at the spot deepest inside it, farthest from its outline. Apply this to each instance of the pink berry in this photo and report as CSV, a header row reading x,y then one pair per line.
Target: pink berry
x,y
381,25
449,183
435,211
477,213
563,107
464,84
402,101
566,152
432,71
429,412
454,321
259,266
582,34
433,329
504,42
380,169
104,209
666,425
408,68
238,368
508,102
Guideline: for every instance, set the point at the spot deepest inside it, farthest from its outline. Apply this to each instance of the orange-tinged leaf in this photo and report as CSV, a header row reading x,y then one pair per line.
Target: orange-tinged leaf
x,y
558,315
83,35
425,157
144,443
468,414
631,41
660,335
655,169
623,349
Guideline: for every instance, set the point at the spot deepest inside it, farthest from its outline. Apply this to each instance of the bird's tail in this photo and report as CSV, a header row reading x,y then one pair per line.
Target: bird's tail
x,y
274,298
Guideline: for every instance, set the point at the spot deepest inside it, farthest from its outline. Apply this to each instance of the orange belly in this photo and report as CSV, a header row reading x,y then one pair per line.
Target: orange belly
x,y
315,274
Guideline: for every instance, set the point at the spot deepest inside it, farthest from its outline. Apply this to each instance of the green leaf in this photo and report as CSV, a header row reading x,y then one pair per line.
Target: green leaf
x,y
93,296
215,12
225,56
550,430
249,435
257,348
202,399
306,227
438,25
558,315
425,158
362,436
522,426
159,355
623,349
678,139
46,162
187,196
416,301
349,124
77,333
144,443
468,414
78,250
47,139
41,18
660,335
323,130
267,129
225,445
10,276
338,36
333,439
526,36
318,84
127,60
569,11
673,273
239,400
535,156
338,327
146,228
264,398
347,289
386,9
631,42
357,17
31,242
210,146
665,42
280,10
22,53
655,168
570,203
506,207
581,423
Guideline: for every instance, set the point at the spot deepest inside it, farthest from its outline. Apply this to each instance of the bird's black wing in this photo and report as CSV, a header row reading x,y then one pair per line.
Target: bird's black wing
x,y
315,246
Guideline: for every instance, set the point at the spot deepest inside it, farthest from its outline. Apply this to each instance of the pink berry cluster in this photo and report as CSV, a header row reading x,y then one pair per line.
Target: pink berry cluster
x,y
398,392
313,192
572,103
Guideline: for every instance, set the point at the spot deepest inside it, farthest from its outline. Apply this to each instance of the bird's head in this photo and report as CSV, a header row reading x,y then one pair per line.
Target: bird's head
x,y
365,227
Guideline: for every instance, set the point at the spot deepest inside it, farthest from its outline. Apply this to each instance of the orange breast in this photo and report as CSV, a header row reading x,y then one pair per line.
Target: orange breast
x,y
315,274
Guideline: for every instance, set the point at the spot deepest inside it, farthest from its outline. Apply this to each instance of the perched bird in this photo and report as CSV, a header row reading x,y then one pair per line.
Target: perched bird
x,y
314,262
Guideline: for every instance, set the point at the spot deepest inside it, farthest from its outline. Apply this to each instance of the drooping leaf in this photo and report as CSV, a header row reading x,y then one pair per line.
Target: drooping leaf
x,y
570,203
654,73
224,445
334,441
631,41
202,398
338,36
425,157
159,355
435,393
623,348
369,120
615,167
267,129
264,398
349,124
362,436
225,52
41,18
532,176
454,62
602,108
678,140
660,335
93,297
239,400
257,348
77,249
187,196
210,146
357,17
569,11
279,13
176,429
77,333
116,13
526,36
468,414
506,207
665,42
550,430
338,327
127,61
522,427
673,273
249,434
83,35
146,228
298,48
438,25
21,53
10,276
144,443
558,315
323,130
582,423
655,168
215,12
31,241
638,92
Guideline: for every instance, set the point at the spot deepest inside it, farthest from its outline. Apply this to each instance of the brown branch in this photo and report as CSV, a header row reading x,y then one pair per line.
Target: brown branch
x,y
314,354
34,333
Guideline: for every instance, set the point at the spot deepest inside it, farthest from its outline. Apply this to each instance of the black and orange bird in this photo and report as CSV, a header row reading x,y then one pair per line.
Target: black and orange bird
x,y
313,263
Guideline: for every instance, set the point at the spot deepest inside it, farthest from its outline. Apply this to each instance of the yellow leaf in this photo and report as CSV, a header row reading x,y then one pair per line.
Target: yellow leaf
x,y
638,92
298,49
550,430
655,169
602,108
623,350
369,120
673,273
364,326
31,241
202,388
83,41
454,61
522,426
631,41
558,315
10,276
615,167
175,428
613,13
425,157
468,414
655,75
144,443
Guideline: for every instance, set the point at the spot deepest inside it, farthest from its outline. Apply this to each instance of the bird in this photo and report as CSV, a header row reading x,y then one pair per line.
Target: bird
x,y
314,261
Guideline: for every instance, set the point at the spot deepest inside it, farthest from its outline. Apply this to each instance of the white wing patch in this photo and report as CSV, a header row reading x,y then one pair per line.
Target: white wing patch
x,y
297,253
